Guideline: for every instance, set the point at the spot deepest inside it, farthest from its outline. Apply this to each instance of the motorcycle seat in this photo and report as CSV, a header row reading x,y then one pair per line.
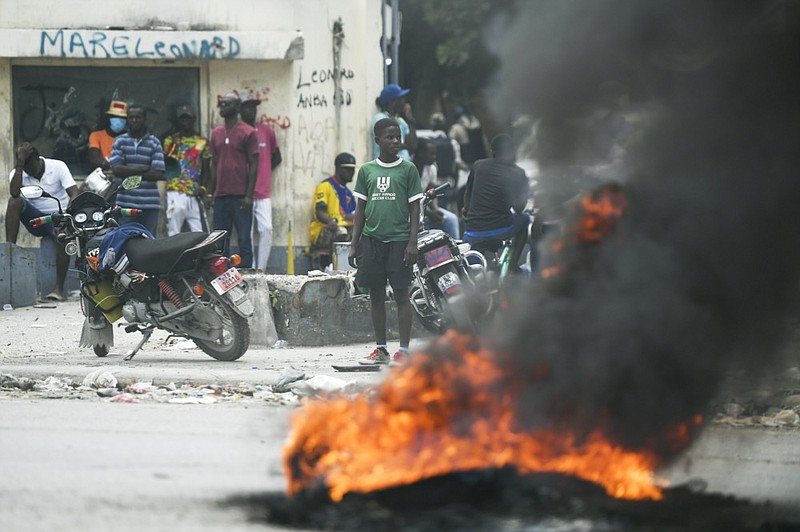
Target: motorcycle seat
x,y
160,256
487,245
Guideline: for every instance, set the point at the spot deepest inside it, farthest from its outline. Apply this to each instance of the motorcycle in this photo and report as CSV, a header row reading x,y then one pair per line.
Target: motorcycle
x,y
448,283
181,284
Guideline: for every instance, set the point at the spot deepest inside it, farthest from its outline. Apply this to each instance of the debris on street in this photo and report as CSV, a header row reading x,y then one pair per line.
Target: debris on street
x,y
290,389
287,376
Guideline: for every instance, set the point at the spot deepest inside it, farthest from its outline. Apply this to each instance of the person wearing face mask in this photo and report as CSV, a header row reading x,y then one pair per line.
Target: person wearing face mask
x,y
102,140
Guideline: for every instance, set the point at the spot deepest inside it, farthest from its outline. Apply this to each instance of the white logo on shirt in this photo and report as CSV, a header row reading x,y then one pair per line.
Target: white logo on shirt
x,y
384,183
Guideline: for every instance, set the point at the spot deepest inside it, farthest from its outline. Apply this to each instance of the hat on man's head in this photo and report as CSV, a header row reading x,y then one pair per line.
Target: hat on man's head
x,y
185,110
118,108
247,96
345,160
232,95
392,92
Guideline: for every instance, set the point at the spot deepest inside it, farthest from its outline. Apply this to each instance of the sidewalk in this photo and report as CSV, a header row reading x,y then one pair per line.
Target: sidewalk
x,y
38,342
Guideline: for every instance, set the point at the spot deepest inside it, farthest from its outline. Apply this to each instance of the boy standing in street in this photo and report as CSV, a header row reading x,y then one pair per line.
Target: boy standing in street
x,y
384,245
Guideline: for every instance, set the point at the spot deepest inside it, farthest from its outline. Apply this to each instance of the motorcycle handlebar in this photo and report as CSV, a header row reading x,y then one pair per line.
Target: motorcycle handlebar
x,y
436,192
41,220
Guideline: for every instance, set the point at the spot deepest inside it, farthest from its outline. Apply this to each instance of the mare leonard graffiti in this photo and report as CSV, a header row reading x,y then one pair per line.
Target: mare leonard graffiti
x,y
120,45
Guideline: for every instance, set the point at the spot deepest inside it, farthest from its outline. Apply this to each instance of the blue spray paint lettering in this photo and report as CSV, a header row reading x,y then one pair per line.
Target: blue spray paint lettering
x,y
101,45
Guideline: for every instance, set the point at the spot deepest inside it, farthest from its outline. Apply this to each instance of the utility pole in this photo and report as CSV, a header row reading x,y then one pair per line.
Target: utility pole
x,y
390,44
395,42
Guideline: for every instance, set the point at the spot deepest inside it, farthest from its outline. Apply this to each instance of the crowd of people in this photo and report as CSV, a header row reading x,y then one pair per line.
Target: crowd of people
x,y
491,197
231,173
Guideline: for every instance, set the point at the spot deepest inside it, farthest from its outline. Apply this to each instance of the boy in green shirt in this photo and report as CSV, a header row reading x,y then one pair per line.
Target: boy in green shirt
x,y
384,245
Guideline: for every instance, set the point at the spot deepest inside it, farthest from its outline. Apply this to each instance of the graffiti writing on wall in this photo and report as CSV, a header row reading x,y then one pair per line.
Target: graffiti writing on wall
x,y
312,139
119,44
313,91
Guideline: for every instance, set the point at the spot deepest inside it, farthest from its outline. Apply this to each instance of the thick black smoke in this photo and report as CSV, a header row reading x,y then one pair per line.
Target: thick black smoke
x,y
694,106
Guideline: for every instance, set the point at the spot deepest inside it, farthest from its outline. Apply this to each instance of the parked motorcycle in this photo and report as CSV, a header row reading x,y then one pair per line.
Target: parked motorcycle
x,y
182,284
448,288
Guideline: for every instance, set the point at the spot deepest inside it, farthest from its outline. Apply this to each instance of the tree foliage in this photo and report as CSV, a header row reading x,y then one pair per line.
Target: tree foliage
x,y
442,49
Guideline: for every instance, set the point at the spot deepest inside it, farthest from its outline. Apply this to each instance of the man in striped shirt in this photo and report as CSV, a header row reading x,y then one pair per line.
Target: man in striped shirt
x,y
139,152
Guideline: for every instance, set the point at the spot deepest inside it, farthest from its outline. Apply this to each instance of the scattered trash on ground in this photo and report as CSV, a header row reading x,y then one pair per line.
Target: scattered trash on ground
x,y
192,400
100,378
287,376
140,387
778,410
102,385
124,398
318,385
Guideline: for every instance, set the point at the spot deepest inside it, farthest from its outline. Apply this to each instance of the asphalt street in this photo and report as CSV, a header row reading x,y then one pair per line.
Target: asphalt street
x,y
81,462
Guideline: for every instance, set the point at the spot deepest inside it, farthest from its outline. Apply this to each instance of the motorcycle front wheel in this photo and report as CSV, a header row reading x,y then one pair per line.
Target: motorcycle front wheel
x,y
100,350
235,337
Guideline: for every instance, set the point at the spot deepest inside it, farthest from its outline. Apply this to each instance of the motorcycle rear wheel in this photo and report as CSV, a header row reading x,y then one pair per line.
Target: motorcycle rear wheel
x,y
431,323
235,337
458,316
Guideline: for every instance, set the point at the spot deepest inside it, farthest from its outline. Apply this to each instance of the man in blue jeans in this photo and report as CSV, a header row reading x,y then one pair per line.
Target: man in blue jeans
x,y
139,152
496,194
234,168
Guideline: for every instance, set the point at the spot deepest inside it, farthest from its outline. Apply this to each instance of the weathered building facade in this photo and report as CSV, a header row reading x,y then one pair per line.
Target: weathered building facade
x,y
317,66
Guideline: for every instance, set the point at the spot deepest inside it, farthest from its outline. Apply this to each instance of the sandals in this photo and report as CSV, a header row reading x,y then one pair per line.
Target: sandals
x,y
54,296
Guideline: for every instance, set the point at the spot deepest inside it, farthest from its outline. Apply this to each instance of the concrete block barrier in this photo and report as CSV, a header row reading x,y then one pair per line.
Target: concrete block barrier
x,y
319,310
262,323
17,275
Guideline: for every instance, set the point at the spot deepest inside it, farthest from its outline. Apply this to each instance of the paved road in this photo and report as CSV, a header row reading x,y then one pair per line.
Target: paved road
x,y
87,464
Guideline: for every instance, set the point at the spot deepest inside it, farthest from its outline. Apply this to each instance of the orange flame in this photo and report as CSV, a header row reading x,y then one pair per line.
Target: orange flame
x,y
438,416
601,210
597,216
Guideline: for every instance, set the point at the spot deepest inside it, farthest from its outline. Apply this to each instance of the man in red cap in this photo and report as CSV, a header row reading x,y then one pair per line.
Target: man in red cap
x,y
234,150
269,157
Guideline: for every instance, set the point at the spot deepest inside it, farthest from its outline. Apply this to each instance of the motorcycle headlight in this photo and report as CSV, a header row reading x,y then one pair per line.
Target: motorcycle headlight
x,y
97,216
81,217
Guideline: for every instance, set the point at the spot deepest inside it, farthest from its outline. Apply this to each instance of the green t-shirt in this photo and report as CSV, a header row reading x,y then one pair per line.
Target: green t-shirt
x,y
388,189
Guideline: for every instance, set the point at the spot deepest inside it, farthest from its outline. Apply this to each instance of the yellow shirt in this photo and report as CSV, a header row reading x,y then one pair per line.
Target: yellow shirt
x,y
326,193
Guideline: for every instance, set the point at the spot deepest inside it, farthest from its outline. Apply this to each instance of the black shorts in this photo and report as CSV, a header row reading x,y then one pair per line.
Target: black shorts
x,y
379,261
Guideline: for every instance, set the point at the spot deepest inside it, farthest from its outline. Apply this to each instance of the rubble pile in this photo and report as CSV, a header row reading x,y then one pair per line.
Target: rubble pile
x,y
290,389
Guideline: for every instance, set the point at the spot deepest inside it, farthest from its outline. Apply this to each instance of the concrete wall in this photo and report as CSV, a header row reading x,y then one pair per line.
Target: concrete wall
x,y
298,82
17,275
320,310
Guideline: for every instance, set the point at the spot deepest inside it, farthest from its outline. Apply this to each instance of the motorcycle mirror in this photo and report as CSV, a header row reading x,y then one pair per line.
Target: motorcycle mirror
x,y
132,182
33,192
